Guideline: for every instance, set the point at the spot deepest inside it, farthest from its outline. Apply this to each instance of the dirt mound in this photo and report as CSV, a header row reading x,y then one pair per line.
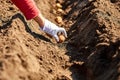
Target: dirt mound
x,y
94,35
91,51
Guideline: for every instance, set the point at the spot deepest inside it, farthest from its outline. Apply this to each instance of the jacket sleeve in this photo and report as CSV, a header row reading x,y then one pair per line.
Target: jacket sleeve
x,y
27,7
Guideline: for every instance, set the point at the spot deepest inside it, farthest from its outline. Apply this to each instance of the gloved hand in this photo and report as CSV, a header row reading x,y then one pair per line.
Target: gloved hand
x,y
53,29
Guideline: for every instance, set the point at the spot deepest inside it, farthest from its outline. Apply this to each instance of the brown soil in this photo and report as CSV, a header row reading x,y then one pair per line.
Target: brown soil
x,y
91,51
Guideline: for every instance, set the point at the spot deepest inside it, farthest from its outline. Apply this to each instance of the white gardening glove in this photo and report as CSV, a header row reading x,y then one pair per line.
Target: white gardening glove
x,y
53,29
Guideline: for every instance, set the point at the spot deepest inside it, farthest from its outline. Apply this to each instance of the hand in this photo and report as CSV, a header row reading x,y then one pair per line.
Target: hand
x,y
53,30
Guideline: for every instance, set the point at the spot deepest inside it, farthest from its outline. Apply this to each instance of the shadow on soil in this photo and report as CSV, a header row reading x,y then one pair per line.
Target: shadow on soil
x,y
18,15
78,58
89,63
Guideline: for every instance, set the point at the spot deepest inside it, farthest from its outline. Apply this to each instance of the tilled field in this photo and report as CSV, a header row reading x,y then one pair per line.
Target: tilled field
x,y
91,51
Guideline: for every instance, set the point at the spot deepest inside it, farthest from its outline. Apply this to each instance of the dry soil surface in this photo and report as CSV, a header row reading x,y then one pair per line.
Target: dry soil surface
x,y
91,51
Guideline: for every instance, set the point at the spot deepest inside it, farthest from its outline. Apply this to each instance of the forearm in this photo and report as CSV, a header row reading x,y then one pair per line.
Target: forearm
x,y
30,11
40,20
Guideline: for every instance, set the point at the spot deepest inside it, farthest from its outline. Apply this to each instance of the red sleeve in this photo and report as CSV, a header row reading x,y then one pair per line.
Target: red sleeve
x,y
27,7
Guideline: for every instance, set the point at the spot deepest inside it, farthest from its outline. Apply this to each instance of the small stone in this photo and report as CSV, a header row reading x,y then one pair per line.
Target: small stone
x,y
119,48
90,0
54,11
98,32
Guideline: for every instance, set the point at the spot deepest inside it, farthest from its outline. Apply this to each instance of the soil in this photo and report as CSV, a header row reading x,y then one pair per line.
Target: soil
x,y
91,51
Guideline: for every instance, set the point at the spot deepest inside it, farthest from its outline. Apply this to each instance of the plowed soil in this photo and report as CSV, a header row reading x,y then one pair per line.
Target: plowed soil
x,y
91,51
